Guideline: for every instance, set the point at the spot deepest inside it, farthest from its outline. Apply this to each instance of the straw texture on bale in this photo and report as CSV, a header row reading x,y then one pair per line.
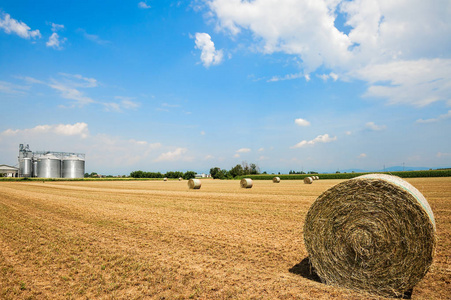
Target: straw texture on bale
x,y
308,180
374,233
194,184
246,183
276,179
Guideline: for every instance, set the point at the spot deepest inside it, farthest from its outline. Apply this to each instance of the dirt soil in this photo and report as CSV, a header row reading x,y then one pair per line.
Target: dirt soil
x,y
160,240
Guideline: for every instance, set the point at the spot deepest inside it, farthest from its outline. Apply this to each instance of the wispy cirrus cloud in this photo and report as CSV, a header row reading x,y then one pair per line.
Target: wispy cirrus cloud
x,y
434,120
10,88
93,37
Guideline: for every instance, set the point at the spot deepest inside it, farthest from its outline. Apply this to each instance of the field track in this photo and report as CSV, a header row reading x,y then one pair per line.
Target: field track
x,y
160,240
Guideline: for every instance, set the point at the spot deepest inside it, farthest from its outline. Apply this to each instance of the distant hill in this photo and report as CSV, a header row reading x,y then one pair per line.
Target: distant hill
x,y
389,169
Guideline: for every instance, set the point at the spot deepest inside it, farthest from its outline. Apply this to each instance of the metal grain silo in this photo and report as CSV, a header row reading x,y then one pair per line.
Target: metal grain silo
x,y
35,167
25,167
49,166
73,167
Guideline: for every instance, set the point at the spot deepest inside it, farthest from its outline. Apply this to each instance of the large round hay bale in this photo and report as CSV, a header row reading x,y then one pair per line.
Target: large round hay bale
x,y
165,179
308,180
276,179
194,184
317,177
246,183
374,233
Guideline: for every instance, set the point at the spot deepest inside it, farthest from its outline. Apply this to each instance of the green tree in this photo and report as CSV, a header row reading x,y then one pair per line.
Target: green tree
x,y
237,171
189,175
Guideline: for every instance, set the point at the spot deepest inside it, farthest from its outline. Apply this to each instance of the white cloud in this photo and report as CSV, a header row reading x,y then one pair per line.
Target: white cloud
x,y
441,154
439,118
71,94
120,106
77,129
261,149
289,77
348,132
143,5
236,155
93,37
362,155
302,122
372,126
177,154
208,157
325,138
209,55
418,82
10,25
55,42
202,132
9,88
325,77
78,80
386,43
125,103
243,150
57,27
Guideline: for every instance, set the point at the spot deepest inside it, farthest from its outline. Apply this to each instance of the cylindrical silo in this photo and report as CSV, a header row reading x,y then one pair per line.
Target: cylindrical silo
x,y
35,167
49,166
25,167
73,167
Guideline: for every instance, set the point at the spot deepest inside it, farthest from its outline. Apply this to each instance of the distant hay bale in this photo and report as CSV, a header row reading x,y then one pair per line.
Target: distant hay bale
x,y
276,179
308,180
374,233
180,178
165,179
194,184
317,177
246,183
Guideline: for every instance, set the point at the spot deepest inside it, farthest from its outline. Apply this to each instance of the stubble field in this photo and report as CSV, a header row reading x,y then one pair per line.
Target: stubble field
x,y
160,240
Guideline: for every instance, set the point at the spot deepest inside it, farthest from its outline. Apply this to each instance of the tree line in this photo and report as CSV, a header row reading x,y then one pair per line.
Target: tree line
x,y
236,171
171,174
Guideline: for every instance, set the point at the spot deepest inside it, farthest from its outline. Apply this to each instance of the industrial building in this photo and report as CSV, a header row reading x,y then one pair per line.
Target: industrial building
x,y
50,164
8,171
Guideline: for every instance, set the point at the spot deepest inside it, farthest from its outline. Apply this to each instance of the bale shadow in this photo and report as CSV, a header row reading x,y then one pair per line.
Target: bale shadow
x,y
306,270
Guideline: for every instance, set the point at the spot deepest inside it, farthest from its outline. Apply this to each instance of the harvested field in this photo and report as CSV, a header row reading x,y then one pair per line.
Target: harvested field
x,y
161,240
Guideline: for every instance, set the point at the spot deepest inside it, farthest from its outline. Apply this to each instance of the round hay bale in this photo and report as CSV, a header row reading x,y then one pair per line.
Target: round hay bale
x,y
308,180
180,178
246,183
374,233
165,179
317,177
276,179
194,184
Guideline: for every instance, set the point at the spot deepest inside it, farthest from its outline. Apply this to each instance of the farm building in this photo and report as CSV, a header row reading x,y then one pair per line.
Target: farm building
x,y
8,171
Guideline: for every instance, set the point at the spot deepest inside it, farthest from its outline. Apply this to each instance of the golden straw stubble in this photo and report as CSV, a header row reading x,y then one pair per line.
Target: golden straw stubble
x,y
370,235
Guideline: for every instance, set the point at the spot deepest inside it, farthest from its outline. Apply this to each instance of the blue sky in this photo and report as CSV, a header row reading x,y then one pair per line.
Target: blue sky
x,y
190,85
